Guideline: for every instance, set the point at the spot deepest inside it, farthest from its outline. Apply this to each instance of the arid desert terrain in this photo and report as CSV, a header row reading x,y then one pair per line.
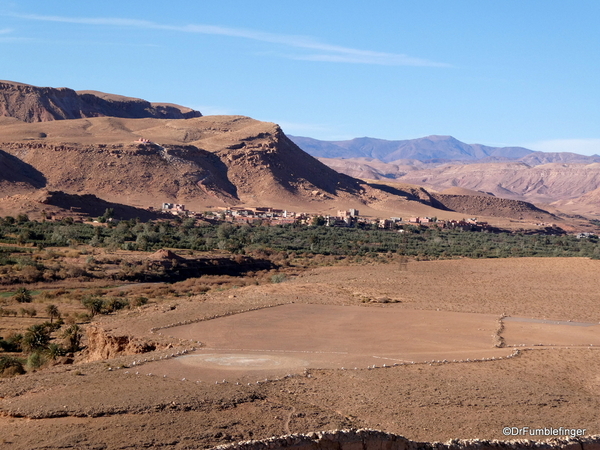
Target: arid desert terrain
x,y
430,350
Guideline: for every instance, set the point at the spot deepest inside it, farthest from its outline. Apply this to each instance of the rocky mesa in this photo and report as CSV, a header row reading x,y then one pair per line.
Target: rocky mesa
x,y
42,104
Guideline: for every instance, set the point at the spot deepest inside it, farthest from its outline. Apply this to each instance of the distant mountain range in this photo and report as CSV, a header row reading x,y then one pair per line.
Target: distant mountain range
x,y
431,149
566,180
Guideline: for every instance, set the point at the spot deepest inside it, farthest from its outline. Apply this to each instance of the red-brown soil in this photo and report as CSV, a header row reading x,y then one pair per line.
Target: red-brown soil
x,y
261,344
105,404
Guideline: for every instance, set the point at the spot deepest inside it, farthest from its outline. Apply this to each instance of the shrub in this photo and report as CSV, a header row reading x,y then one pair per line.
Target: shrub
x,y
31,274
35,360
278,278
29,312
12,343
36,338
72,336
11,366
138,301
114,304
93,304
54,351
23,295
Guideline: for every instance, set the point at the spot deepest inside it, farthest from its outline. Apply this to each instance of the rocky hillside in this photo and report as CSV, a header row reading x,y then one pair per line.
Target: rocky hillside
x,y
540,184
131,152
217,160
487,205
42,104
468,202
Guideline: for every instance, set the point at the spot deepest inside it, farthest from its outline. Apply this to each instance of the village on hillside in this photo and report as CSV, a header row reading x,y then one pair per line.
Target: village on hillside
x,y
344,218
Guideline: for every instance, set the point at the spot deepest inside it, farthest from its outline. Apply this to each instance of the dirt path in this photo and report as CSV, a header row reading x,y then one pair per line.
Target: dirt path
x,y
286,425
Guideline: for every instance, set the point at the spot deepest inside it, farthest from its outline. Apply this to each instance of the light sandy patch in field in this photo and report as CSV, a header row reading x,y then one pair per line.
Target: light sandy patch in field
x,y
296,336
528,332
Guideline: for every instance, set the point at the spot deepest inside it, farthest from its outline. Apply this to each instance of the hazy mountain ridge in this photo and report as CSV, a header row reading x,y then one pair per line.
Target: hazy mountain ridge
x,y
564,179
432,150
422,149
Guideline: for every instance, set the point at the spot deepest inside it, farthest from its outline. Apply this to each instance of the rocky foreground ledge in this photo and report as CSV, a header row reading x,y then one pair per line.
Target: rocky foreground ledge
x,y
366,439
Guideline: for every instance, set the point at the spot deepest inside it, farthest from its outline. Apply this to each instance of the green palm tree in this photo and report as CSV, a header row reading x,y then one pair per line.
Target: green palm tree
x,y
72,335
23,295
35,338
53,312
54,351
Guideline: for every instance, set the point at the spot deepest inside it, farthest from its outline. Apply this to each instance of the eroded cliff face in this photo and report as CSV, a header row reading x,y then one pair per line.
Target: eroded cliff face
x,y
42,104
102,345
366,439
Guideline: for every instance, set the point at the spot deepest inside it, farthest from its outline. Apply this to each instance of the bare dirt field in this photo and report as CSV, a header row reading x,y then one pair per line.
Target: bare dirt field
x,y
340,317
263,343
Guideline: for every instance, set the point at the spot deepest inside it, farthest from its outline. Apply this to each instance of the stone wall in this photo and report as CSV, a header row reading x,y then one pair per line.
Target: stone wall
x,y
377,440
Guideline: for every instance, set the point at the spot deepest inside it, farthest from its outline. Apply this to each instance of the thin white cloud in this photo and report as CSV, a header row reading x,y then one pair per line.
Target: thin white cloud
x,y
6,30
384,59
326,52
581,146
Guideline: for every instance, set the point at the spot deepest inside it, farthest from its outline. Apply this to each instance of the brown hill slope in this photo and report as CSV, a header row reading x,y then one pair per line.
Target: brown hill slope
x,y
214,160
462,191
482,205
544,183
365,168
587,204
201,162
467,202
133,158
17,176
554,183
41,104
42,204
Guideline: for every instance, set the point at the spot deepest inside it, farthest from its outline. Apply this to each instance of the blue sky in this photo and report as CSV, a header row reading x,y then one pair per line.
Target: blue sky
x,y
497,73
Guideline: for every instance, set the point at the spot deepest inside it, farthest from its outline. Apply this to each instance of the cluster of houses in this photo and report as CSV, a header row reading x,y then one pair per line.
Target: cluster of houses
x,y
344,218
174,208
585,235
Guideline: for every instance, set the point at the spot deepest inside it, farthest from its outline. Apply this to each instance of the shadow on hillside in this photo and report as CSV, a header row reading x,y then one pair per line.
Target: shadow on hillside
x,y
13,170
90,205
426,199
209,171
